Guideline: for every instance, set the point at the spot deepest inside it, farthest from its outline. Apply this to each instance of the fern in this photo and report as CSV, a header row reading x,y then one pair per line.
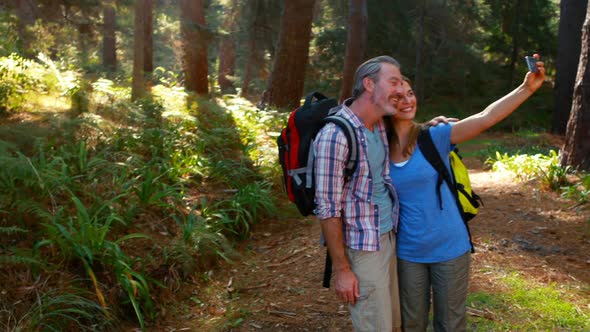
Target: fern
x,y
245,208
21,256
6,260
11,230
84,238
199,244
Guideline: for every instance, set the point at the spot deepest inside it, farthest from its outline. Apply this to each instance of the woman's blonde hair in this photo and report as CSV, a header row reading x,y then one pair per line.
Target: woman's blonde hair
x,y
414,132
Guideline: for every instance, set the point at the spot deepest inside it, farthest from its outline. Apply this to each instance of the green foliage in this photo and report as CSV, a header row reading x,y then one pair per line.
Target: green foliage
x,y
57,78
15,79
526,167
493,146
84,238
237,214
8,31
18,259
122,160
25,181
258,132
527,306
19,256
60,310
547,168
11,230
117,164
151,191
198,245
554,177
232,173
579,190
534,32
326,60
21,79
13,256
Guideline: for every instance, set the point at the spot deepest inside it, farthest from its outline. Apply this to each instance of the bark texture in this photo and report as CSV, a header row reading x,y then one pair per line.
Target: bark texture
x,y
568,53
356,44
576,150
109,46
285,85
195,40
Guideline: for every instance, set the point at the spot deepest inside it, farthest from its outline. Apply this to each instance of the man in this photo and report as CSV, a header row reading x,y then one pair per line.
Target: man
x,y
359,217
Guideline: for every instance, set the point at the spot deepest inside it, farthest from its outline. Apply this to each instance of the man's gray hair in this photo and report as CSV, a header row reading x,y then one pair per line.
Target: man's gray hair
x,y
370,69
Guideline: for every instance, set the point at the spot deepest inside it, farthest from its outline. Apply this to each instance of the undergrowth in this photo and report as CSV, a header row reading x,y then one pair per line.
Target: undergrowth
x,y
527,306
94,196
553,176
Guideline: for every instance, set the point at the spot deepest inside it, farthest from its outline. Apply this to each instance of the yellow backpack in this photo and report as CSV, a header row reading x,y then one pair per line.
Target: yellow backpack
x,y
469,201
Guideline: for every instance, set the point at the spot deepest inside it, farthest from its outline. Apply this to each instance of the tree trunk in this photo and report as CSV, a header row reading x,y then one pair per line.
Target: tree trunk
x,y
109,46
576,150
84,37
419,52
227,50
138,85
148,58
356,44
255,52
285,85
568,54
194,46
26,20
515,41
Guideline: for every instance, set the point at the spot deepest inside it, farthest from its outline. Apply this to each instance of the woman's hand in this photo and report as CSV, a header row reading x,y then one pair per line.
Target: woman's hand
x,y
533,81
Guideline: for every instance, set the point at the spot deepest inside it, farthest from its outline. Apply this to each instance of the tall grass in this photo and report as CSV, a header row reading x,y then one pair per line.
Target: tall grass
x,y
80,192
83,237
236,215
198,244
65,309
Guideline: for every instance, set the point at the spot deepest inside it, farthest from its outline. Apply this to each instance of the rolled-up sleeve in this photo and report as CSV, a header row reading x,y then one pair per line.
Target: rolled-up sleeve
x,y
330,150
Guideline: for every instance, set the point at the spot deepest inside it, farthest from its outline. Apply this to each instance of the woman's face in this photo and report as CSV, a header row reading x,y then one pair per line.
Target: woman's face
x,y
407,104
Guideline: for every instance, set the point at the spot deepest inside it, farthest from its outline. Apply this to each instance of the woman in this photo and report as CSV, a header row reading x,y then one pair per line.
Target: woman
x,y
433,245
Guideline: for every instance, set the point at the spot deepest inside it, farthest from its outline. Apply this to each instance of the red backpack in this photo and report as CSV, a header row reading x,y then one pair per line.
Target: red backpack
x,y
296,148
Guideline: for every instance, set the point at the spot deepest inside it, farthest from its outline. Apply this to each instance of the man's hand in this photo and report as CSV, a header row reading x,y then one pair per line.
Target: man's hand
x,y
440,119
346,286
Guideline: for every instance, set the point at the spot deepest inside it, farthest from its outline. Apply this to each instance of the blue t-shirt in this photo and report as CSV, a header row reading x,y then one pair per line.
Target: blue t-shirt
x,y
376,153
427,233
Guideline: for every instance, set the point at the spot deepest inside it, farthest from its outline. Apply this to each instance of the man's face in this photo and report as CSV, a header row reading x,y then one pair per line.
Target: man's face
x,y
387,89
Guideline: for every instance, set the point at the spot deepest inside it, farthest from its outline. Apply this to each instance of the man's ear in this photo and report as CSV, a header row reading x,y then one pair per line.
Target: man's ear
x,y
368,84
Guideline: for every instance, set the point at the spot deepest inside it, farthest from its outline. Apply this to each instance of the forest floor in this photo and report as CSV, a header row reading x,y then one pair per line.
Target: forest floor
x,y
276,283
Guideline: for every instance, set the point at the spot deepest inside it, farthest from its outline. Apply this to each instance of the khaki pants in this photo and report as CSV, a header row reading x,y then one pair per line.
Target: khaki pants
x,y
448,281
378,307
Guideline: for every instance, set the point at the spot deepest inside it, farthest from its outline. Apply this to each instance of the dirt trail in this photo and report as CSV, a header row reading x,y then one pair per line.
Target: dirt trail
x,y
276,285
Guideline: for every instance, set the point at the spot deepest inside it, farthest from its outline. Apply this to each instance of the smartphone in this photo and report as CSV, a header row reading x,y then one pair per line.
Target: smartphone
x,y
531,62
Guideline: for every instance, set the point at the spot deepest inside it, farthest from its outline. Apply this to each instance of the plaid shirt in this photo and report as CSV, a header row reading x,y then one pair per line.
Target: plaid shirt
x,y
351,201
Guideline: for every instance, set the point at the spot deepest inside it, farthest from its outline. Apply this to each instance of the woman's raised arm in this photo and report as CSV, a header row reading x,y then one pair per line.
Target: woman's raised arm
x,y
474,125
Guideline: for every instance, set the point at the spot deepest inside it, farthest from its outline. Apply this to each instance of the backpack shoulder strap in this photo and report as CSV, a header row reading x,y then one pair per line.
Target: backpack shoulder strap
x,y
433,157
351,139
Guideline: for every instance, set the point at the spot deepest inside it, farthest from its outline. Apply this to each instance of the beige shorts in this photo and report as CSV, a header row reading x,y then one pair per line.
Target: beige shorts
x,y
377,308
